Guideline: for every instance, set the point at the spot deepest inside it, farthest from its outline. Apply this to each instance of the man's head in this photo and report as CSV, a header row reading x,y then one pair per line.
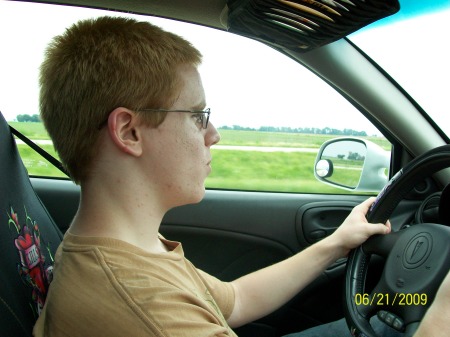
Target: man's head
x,y
101,64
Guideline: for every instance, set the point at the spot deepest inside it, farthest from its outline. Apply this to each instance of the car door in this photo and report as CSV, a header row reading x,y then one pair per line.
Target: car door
x,y
262,203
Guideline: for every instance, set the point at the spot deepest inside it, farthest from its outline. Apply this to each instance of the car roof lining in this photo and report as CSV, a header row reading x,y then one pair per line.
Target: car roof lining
x,y
193,11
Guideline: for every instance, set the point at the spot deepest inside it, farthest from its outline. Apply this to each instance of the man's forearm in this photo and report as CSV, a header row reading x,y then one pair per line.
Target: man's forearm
x,y
262,292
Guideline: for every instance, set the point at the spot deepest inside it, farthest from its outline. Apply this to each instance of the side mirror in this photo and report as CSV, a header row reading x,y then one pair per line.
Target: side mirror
x,y
353,164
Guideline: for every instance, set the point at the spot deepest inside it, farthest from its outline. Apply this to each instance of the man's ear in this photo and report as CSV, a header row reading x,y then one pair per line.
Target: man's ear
x,y
124,131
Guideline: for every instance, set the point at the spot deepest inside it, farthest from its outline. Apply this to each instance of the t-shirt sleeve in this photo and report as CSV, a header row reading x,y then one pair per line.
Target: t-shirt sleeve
x,y
222,292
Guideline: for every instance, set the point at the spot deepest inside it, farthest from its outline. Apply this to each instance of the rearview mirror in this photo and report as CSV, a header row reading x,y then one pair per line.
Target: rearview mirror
x,y
353,164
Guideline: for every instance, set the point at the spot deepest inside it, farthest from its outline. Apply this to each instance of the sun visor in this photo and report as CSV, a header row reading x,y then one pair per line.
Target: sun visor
x,y
302,25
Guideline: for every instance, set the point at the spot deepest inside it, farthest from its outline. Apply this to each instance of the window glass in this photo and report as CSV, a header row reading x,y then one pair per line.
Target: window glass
x,y
272,113
414,53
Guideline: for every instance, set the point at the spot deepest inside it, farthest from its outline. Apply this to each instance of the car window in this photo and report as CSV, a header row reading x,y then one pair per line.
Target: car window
x,y
271,112
414,53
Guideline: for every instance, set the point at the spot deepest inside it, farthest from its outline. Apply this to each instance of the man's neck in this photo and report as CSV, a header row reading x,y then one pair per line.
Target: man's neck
x,y
108,211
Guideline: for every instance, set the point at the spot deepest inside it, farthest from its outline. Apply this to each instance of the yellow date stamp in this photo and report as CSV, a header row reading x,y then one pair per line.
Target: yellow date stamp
x,y
385,299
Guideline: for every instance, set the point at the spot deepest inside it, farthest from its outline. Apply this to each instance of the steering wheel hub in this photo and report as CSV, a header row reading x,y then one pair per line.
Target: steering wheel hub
x,y
418,250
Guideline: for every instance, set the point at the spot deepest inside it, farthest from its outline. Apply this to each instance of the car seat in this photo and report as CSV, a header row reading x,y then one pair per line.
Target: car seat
x,y
28,241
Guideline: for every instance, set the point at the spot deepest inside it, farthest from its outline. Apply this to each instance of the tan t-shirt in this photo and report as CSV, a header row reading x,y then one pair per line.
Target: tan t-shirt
x,y
107,287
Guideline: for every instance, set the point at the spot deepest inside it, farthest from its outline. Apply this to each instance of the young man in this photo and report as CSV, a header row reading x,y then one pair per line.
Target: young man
x,y
124,105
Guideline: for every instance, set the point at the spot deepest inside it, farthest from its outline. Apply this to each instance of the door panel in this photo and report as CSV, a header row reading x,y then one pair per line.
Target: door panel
x,y
232,233
317,220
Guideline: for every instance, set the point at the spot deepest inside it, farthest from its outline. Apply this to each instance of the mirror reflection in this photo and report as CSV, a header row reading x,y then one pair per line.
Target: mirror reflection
x,y
342,163
324,168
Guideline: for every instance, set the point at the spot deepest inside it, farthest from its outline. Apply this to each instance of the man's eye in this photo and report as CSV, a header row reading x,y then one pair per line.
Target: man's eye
x,y
198,118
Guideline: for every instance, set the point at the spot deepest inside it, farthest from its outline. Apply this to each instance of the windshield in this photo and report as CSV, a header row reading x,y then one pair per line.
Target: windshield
x,y
412,46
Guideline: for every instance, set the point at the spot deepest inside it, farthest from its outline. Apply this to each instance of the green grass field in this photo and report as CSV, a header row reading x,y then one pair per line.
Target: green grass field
x,y
31,130
232,169
36,164
262,171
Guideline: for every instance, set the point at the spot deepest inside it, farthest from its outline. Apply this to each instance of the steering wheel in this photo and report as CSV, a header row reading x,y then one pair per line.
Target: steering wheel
x,y
416,258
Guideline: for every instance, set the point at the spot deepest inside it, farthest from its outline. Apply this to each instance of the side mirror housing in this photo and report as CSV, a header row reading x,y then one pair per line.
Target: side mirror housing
x,y
353,164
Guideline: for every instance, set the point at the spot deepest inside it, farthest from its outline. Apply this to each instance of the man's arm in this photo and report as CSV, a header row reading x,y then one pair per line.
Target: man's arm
x,y
436,322
260,293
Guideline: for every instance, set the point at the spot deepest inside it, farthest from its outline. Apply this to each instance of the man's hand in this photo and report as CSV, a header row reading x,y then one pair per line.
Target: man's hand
x,y
355,229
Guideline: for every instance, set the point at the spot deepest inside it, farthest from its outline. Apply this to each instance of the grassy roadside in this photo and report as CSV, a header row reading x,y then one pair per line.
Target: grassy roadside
x,y
31,130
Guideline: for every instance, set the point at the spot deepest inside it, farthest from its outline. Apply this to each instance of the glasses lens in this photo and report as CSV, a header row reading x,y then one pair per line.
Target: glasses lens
x,y
206,118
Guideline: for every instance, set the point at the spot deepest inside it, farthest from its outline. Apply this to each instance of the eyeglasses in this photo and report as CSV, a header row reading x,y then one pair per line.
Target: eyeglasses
x,y
202,115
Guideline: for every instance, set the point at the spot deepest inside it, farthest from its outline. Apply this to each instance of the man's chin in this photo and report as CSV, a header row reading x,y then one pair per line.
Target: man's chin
x,y
194,198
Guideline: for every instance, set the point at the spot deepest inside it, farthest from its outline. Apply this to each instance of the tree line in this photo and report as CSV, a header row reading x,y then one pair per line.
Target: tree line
x,y
28,118
319,131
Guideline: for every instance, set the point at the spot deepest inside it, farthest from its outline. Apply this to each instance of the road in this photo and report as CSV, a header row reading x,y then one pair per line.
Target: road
x,y
264,148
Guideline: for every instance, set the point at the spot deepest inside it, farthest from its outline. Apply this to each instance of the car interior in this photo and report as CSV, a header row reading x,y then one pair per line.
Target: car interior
x,y
233,232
